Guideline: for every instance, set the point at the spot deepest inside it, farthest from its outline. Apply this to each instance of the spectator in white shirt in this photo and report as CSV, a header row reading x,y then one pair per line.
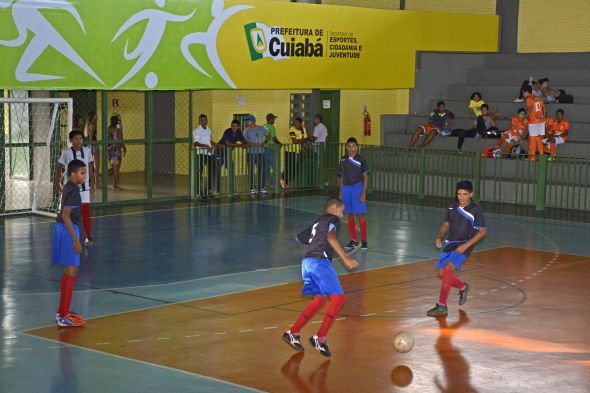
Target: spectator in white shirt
x,y
320,132
204,146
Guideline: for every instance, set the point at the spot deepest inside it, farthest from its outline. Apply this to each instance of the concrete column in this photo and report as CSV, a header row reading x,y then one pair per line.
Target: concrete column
x,y
508,12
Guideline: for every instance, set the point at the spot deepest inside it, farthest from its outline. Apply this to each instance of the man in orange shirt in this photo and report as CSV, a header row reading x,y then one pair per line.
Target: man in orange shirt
x,y
536,110
557,135
513,135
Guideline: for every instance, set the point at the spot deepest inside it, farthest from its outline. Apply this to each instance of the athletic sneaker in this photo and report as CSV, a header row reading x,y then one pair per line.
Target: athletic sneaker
x,y
69,321
322,348
72,314
364,245
252,191
293,340
88,241
438,311
352,245
463,294
263,190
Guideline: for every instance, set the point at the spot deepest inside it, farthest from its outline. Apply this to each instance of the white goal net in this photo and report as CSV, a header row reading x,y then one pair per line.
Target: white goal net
x,y
33,132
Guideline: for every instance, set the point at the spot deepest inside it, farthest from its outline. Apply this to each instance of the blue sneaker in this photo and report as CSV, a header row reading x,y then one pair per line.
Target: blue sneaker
x,y
293,340
438,311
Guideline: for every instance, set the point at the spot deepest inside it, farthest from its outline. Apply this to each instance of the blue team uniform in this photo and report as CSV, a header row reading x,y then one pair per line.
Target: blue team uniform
x,y
464,223
352,170
62,247
319,277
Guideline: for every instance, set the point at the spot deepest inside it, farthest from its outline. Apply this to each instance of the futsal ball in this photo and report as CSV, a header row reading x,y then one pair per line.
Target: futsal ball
x,y
403,342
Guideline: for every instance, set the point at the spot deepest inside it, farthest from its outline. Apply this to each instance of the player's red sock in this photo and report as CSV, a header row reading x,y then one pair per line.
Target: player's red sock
x,y
336,303
456,282
308,313
66,292
86,219
352,228
445,288
363,225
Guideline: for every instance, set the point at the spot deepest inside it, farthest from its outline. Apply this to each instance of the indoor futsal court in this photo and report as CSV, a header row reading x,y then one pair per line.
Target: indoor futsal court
x,y
205,313
295,196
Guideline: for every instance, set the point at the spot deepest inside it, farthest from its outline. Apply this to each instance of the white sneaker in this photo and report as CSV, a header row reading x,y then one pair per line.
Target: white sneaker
x,y
253,191
263,191
518,100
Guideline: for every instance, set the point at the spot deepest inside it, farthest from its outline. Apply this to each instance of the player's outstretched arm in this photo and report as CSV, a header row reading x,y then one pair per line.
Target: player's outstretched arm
x,y
441,233
348,262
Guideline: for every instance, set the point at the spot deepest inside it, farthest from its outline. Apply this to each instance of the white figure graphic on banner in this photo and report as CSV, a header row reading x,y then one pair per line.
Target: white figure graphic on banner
x,y
150,40
27,17
209,39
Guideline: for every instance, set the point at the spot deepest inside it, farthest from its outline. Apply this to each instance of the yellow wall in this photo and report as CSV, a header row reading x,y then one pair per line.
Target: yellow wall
x,y
566,28
382,4
378,102
464,6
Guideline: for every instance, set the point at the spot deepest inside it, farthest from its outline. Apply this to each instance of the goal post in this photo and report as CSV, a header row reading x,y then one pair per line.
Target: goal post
x,y
33,132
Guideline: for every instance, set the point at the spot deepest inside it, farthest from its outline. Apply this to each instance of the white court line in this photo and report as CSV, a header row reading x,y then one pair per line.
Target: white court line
x,y
149,364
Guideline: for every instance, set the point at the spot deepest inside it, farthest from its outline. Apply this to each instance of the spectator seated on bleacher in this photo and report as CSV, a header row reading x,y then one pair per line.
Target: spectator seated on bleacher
x,y
514,135
541,88
475,103
484,125
556,133
439,122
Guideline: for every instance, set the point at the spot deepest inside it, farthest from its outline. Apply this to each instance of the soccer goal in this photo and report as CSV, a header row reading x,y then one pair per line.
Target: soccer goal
x,y
33,132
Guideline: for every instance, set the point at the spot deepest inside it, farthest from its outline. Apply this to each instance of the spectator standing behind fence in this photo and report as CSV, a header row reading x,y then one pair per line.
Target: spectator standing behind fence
x,y
91,134
232,137
204,147
273,145
298,135
116,151
256,136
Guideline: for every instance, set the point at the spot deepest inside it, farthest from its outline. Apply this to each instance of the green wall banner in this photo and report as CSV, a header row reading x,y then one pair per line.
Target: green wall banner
x,y
217,44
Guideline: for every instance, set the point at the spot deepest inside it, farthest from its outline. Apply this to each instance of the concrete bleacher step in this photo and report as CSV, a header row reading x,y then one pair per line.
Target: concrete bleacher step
x,y
406,124
579,112
502,76
507,93
570,149
570,61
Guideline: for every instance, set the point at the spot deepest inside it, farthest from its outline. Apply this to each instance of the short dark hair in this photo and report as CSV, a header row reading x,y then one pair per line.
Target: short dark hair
x,y
202,115
485,106
235,121
318,116
560,111
521,110
298,119
464,185
528,89
114,120
333,201
352,139
75,166
475,93
73,134
440,103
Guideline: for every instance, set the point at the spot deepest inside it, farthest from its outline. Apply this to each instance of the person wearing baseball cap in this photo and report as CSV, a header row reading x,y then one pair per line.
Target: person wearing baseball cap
x,y
256,136
271,148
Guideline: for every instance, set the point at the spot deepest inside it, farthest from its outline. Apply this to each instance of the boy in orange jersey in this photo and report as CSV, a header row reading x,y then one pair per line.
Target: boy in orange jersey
x,y
513,135
536,110
557,135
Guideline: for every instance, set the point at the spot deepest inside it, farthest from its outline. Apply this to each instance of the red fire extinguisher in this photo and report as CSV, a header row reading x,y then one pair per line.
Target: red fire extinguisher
x,y
366,123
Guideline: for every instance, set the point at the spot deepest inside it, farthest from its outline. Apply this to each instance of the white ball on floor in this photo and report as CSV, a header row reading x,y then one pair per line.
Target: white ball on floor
x,y
403,342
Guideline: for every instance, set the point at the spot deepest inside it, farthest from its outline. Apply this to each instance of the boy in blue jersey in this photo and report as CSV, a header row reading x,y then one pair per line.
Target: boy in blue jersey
x,y
65,245
466,226
320,280
353,174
